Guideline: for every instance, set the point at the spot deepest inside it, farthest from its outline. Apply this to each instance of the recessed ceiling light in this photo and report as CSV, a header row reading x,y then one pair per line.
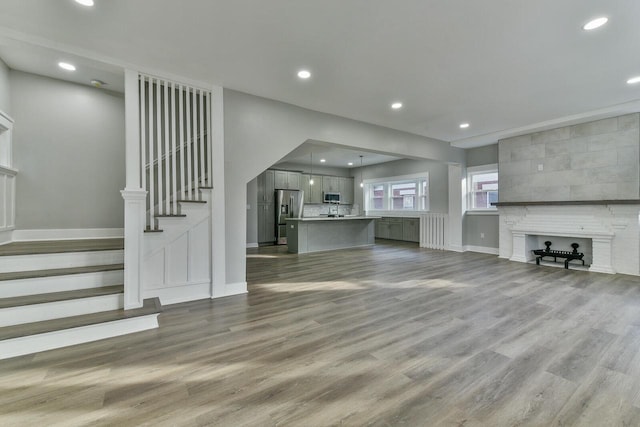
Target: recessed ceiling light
x,y
304,74
66,66
634,80
396,105
85,2
464,125
323,160
595,23
350,163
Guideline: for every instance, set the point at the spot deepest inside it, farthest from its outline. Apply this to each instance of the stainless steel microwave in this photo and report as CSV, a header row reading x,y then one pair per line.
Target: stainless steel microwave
x,y
332,197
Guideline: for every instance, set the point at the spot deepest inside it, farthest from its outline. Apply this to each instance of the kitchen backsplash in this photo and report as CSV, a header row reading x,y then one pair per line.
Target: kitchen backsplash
x,y
323,209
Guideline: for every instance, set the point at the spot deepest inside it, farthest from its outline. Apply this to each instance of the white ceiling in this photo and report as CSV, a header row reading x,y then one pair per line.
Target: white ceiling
x,y
505,66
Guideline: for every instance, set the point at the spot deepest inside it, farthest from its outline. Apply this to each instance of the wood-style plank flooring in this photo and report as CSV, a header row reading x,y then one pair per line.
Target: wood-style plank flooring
x,y
392,335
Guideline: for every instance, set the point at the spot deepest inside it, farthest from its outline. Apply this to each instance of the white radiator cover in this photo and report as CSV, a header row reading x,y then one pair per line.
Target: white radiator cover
x,y
613,229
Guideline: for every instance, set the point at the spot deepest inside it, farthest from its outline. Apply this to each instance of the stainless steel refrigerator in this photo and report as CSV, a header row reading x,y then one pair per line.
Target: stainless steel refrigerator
x,y
289,204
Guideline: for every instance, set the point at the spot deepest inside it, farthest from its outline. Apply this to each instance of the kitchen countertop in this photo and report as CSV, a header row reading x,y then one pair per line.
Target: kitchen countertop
x,y
326,218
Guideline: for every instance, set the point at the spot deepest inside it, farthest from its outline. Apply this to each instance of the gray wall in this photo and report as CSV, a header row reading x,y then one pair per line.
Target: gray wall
x,y
5,105
590,161
260,131
481,230
69,149
481,156
438,179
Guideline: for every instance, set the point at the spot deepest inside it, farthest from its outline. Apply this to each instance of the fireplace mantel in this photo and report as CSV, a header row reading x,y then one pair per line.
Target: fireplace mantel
x,y
611,225
569,203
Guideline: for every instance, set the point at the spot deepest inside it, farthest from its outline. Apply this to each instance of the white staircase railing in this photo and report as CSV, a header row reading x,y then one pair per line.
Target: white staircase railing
x,y
175,152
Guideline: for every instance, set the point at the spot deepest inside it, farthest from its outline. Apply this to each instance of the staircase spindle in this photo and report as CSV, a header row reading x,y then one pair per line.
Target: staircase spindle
x,y
151,145
194,144
208,145
143,138
201,176
158,159
174,153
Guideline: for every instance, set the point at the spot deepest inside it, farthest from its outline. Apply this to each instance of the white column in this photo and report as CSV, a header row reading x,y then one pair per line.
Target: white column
x,y
456,195
134,222
601,249
218,222
519,245
134,196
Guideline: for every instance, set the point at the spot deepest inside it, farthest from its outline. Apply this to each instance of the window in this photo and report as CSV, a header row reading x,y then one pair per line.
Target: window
x,y
405,193
482,187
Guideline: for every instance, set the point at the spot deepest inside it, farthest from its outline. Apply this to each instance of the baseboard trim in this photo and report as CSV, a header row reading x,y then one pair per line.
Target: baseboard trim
x,y
83,334
6,236
179,294
237,288
482,249
231,289
252,245
455,248
67,234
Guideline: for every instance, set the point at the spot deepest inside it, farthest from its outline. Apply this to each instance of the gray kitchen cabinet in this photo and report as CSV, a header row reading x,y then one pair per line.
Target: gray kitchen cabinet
x,y
294,180
282,180
285,180
312,193
346,191
382,228
331,184
411,229
266,223
304,186
266,187
395,228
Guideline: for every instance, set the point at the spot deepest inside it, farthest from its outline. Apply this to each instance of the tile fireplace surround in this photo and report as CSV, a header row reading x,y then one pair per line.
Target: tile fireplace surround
x,y
611,225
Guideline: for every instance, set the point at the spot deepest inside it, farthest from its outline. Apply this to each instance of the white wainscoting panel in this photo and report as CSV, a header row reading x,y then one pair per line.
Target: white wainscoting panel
x,y
177,260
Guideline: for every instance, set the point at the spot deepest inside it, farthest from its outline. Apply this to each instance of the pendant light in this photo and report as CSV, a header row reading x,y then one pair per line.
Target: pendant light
x,y
311,165
361,180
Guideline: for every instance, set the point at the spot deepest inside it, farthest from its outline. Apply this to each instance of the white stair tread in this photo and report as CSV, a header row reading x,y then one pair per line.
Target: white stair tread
x,y
58,272
59,296
60,246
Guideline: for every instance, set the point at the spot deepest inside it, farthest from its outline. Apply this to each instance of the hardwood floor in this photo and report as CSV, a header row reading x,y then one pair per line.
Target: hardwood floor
x,y
385,336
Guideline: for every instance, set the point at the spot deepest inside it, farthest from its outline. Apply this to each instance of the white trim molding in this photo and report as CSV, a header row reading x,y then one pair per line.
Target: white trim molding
x,y
481,249
67,234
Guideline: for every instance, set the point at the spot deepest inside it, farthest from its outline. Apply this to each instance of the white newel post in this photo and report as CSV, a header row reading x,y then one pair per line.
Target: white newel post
x,y
134,196
218,223
456,194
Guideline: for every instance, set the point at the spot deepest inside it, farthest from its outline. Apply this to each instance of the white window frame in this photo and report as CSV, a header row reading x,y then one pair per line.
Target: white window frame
x,y
387,182
477,170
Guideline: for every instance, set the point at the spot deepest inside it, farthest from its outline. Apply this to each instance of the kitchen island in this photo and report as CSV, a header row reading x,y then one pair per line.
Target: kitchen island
x,y
317,234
